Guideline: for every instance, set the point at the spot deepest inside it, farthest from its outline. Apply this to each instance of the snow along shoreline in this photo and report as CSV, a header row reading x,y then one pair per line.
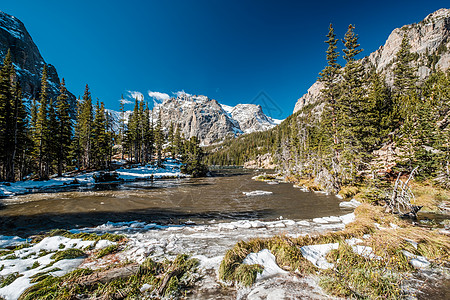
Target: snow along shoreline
x,y
207,242
170,169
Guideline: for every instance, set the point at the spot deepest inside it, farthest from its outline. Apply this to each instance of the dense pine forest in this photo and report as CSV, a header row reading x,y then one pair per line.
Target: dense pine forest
x,y
361,129
44,140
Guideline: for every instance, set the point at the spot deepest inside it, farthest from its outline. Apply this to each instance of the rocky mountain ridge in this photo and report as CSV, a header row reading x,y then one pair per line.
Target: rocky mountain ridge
x,y
27,59
207,119
211,121
430,43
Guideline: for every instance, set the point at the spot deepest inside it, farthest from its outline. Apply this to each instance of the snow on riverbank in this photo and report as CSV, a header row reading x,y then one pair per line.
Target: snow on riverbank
x,y
206,242
28,262
266,259
170,169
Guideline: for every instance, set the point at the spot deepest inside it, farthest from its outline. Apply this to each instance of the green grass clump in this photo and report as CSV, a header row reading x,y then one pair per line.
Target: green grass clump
x,y
7,280
246,274
359,277
72,285
44,252
107,250
35,265
81,235
67,254
6,252
42,275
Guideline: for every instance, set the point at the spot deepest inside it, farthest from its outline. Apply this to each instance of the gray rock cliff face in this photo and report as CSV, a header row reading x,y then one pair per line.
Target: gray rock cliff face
x,y
27,59
210,121
251,118
197,116
429,40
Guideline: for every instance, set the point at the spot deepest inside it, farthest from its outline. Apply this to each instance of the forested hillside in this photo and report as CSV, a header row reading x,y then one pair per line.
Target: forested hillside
x,y
363,126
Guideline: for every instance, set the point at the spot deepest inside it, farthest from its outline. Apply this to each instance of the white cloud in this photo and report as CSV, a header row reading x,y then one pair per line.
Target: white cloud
x,y
181,93
124,101
158,96
135,94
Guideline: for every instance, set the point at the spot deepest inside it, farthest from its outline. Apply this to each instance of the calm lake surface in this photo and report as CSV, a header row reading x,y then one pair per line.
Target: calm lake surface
x,y
219,198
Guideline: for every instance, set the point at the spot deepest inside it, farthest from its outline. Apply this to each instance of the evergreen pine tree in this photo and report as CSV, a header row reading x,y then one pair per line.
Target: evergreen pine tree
x,y
147,136
177,148
328,77
159,140
192,158
171,139
41,133
52,138
64,129
404,74
7,118
353,108
83,129
21,140
100,138
122,127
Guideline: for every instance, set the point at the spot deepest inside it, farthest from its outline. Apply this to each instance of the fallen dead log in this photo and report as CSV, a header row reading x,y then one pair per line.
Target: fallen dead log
x,y
108,275
402,200
174,272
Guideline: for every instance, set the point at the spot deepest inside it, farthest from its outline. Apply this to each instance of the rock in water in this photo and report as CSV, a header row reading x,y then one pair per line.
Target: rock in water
x,y
257,193
350,204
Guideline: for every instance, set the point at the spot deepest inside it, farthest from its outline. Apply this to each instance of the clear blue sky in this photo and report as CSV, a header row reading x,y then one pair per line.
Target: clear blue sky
x,y
228,50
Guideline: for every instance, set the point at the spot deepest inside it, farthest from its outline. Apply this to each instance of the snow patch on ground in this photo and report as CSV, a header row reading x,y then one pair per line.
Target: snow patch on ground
x,y
350,204
22,261
348,218
266,259
6,241
171,168
316,254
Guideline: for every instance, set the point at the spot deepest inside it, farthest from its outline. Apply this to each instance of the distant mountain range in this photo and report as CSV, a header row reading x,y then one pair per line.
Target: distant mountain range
x,y
206,118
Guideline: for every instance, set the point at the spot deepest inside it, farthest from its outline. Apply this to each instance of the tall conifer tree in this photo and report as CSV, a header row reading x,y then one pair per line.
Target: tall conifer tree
x,y
64,130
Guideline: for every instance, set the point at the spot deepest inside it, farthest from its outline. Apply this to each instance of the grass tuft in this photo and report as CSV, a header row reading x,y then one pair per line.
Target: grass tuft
x,y
353,275
7,280
107,250
81,235
246,274
348,191
73,284
67,254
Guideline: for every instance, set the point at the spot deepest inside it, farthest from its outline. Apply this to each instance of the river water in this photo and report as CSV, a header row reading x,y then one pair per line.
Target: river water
x,y
219,197
218,215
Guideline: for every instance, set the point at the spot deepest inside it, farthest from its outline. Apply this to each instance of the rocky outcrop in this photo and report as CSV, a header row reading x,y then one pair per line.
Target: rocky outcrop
x,y
429,40
261,162
27,59
197,116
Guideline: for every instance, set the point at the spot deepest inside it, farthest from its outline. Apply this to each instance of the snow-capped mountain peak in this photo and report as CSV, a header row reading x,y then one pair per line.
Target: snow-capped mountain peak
x,y
207,119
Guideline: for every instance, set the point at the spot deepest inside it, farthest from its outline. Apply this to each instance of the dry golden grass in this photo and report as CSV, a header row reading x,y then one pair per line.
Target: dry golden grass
x,y
353,274
349,191
429,196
